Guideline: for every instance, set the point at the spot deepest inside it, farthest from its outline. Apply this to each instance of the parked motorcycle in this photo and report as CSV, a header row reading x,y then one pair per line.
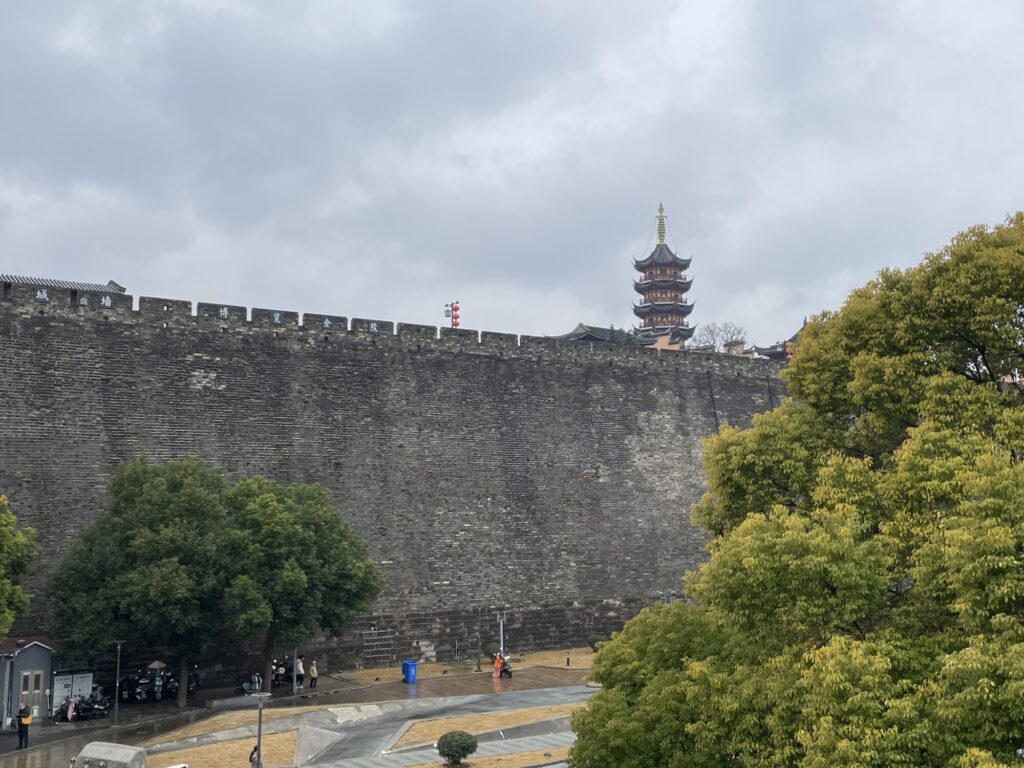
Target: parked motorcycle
x,y
90,709
506,667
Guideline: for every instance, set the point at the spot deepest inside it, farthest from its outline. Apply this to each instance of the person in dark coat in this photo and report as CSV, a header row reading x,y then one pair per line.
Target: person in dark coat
x,y
24,718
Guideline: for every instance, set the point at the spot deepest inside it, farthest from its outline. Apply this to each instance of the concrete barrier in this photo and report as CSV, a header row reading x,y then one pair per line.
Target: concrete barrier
x,y
112,755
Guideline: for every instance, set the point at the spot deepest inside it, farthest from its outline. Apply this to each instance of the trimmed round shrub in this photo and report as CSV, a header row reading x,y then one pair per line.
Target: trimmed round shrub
x,y
456,745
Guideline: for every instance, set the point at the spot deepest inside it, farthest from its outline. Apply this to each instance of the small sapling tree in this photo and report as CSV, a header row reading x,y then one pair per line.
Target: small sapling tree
x,y
456,746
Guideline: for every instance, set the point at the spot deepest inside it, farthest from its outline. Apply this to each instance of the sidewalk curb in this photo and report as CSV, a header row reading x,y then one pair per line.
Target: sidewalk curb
x,y
397,735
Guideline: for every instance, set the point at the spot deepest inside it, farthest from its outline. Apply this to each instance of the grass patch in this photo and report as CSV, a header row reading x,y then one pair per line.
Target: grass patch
x,y
429,731
278,750
513,760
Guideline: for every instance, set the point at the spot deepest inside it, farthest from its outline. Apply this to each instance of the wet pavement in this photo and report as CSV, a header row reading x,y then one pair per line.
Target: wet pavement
x,y
364,738
68,739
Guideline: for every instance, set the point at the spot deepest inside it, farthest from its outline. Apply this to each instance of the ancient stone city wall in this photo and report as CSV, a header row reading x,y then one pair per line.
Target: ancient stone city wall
x,y
481,468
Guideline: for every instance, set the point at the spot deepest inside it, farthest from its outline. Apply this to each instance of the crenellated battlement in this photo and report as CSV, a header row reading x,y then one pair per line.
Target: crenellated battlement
x,y
155,315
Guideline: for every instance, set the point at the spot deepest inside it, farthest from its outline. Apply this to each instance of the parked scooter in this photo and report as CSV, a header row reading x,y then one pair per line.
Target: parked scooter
x,y
506,667
143,685
195,682
138,687
66,712
282,672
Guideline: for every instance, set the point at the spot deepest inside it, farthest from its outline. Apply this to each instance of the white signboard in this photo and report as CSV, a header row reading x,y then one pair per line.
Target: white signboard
x,y
76,686
81,685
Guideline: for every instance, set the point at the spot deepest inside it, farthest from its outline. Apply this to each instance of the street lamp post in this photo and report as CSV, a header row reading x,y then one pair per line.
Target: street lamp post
x,y
478,638
260,696
501,614
117,680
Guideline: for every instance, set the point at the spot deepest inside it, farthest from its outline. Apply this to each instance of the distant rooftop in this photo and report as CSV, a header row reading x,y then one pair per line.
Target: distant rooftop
x,y
109,287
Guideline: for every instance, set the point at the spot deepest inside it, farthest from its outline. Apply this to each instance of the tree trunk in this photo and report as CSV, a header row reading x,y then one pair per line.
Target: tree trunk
x,y
183,684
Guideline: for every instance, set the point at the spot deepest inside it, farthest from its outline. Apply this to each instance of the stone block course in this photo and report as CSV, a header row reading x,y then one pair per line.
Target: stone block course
x,y
481,469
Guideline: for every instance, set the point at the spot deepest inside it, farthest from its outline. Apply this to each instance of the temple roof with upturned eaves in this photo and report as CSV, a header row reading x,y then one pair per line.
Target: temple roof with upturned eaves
x,y
680,308
676,334
661,256
672,283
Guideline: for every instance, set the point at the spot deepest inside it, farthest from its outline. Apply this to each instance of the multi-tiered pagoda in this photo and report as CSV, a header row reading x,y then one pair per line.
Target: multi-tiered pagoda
x,y
663,286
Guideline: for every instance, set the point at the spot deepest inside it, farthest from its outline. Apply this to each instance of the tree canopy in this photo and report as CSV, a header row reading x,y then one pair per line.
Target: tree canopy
x,y
297,567
17,548
864,597
182,559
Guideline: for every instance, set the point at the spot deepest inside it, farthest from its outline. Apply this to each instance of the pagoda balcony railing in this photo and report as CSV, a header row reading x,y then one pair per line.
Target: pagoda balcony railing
x,y
685,302
662,282
682,324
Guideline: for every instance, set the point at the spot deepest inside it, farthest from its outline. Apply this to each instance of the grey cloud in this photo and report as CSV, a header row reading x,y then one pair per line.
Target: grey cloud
x,y
323,157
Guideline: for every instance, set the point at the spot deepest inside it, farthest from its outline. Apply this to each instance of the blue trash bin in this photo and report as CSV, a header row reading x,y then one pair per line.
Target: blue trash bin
x,y
409,671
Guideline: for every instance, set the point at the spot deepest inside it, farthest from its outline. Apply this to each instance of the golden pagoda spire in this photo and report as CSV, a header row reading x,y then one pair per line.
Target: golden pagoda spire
x,y
661,224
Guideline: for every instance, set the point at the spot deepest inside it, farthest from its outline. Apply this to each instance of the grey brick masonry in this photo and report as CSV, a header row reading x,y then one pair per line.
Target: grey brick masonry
x,y
485,468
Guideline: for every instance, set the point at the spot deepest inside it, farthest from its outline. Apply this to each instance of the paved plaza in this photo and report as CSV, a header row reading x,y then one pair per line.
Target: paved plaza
x,y
356,728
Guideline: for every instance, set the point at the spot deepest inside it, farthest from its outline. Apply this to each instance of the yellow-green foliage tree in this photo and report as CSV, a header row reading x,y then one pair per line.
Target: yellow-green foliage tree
x,y
863,604
17,548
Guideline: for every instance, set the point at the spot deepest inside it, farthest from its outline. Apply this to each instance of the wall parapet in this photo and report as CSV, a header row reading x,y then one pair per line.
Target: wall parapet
x,y
176,315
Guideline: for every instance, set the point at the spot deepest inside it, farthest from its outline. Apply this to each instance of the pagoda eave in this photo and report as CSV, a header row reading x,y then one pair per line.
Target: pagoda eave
x,y
665,283
662,256
674,332
667,308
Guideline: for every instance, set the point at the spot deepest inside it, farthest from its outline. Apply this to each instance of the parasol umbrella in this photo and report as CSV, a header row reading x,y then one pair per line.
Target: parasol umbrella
x,y
157,665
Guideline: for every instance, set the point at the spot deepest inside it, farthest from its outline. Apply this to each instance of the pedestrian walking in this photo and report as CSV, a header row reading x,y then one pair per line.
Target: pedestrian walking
x,y
254,756
314,673
24,720
300,672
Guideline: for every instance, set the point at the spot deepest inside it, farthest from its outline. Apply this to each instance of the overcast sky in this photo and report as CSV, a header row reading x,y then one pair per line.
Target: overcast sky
x,y
379,158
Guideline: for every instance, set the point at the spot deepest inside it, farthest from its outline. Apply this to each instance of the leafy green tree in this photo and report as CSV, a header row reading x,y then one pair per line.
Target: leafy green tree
x,y
863,604
183,559
298,567
152,569
17,548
